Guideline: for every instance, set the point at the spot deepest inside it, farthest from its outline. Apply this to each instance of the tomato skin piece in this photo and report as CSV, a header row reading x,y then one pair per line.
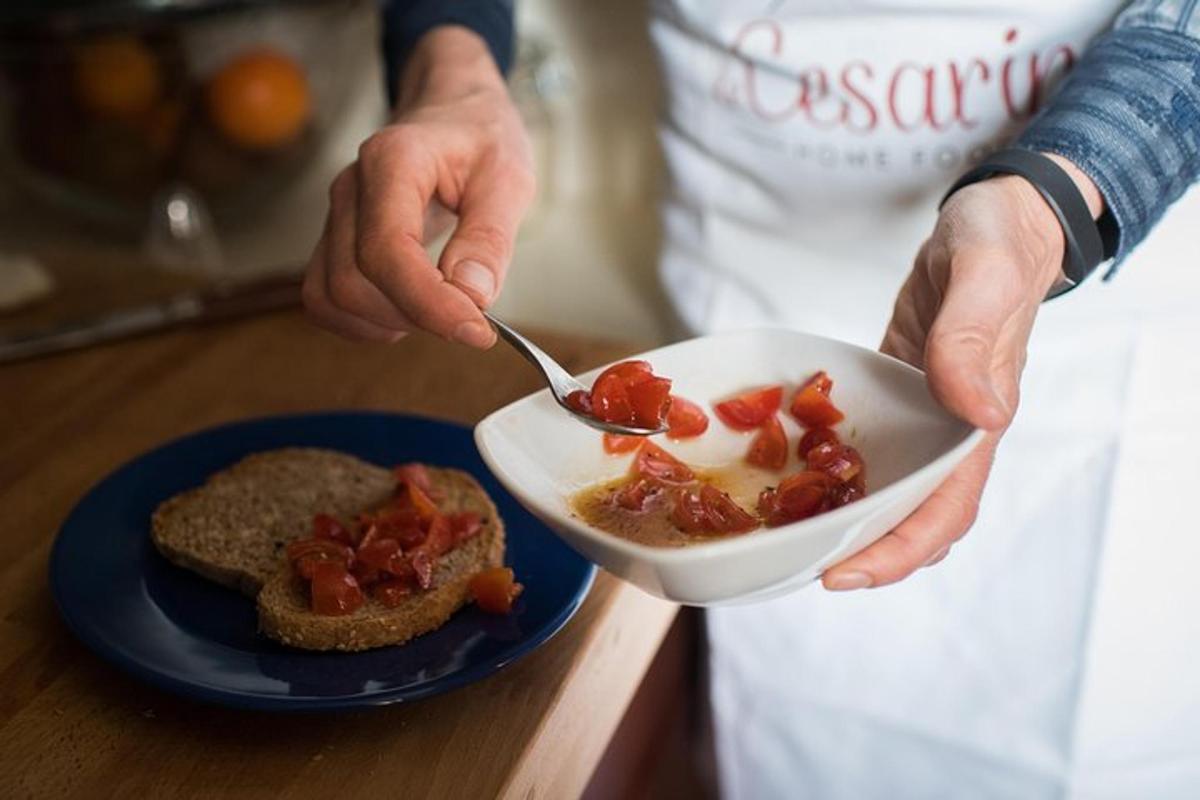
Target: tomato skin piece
x,y
820,381
465,525
415,498
580,402
797,497
634,495
610,400
769,449
814,437
839,461
403,526
813,409
306,554
847,492
381,555
334,590
415,473
811,405
655,463
649,402
751,409
626,372
685,419
616,443
365,576
439,540
495,589
331,528
707,510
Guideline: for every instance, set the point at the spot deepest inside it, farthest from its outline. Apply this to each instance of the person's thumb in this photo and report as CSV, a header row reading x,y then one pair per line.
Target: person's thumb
x,y
477,255
982,294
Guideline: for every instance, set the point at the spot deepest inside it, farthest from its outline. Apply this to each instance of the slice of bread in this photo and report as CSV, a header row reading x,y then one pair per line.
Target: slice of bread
x,y
283,604
235,527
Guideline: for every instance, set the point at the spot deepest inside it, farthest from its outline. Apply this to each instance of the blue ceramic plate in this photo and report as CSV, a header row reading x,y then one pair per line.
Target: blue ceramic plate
x,y
185,634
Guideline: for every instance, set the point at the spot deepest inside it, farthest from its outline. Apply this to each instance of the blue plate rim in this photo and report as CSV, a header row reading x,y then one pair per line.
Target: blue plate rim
x,y
112,653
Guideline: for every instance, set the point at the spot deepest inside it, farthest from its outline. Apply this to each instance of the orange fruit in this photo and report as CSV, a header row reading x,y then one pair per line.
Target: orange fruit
x,y
117,77
260,100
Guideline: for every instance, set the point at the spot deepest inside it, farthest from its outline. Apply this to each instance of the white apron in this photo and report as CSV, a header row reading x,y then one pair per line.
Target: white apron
x,y
1056,652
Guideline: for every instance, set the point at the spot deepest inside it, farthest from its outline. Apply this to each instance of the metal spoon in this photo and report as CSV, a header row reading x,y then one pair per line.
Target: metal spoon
x,y
560,381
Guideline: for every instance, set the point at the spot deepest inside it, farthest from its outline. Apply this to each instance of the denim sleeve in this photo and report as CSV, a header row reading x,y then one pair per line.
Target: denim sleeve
x,y
406,21
1128,115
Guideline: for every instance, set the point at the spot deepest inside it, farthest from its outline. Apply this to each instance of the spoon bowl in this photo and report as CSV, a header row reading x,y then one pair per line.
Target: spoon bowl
x,y
561,382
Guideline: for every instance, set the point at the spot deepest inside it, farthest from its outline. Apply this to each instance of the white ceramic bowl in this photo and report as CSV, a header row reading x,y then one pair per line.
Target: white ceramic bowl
x,y
909,444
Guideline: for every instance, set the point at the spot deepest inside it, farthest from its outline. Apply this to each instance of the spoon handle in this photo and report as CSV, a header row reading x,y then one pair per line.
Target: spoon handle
x,y
561,383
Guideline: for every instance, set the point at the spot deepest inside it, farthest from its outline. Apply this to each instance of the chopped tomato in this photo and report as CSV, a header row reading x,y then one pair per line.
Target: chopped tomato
x,y
464,525
334,590
365,576
797,497
327,527
368,530
440,538
685,419
654,462
495,589
839,461
392,592
769,449
403,526
634,494
811,405
414,497
615,443
580,402
820,381
306,554
626,372
749,410
848,492
706,509
415,473
628,393
382,555
610,392
815,437
650,401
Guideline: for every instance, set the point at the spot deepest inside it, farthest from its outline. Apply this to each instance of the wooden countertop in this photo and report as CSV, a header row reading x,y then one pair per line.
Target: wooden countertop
x,y
72,726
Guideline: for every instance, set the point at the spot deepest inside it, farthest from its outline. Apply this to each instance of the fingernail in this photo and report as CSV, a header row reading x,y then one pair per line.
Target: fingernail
x,y
938,556
475,334
845,581
476,279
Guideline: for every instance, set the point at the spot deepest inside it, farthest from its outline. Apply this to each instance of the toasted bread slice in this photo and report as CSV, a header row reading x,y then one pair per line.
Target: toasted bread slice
x,y
235,527
283,604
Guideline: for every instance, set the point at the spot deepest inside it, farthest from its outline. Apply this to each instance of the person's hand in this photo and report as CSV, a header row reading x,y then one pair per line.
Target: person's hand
x,y
964,316
457,143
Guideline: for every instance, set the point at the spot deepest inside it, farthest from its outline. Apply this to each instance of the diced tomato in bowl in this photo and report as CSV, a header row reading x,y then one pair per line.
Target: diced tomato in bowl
x,y
749,410
882,408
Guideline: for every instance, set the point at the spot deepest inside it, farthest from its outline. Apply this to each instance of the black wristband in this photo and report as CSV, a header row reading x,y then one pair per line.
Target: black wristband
x,y
1085,248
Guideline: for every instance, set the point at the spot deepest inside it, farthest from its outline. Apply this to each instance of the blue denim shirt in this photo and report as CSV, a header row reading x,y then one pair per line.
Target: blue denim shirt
x,y
1128,115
